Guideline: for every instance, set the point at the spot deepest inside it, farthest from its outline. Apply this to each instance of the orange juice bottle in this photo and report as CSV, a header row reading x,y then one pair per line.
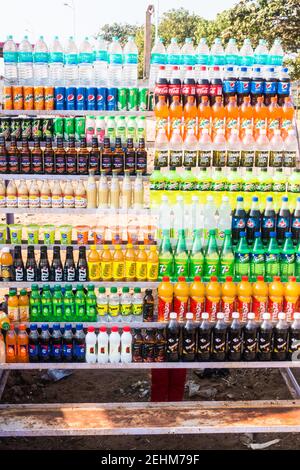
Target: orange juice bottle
x,y
204,115
213,298
288,115
260,291
228,301
6,262
190,115
94,264
197,298
11,345
291,298
276,292
246,116
165,299
152,264
22,345
260,116
13,306
106,264
161,112
218,116
275,117
118,265
181,297
175,114
130,263
232,115
24,305
244,299
141,264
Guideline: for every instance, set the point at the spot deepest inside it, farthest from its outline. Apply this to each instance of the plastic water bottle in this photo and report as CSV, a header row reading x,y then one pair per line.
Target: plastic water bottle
x,y
85,63
102,340
137,304
10,56
126,345
178,211
158,58
114,346
71,63
115,59
188,53
130,63
202,53
173,57
224,222
246,54
261,54
25,66
217,56
232,53
40,62
164,214
276,54
126,305
100,62
56,63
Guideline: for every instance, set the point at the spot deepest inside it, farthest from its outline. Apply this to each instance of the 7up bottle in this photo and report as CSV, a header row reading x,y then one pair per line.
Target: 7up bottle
x,y
226,257
272,258
211,260
165,257
242,258
181,257
46,300
196,257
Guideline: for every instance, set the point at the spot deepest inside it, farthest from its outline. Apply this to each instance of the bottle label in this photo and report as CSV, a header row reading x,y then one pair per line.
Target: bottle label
x,y
232,123
25,56
94,269
3,201
283,88
164,309
238,223
56,57
197,307
257,87
19,274
70,274
102,309
80,202
212,308
229,86
227,307
218,124
259,124
101,56
274,307
274,124
261,158
58,309
282,222
242,263
247,158
176,158
137,309
161,158
13,163
106,267
190,158
23,200
34,201
233,158
46,201
68,201
211,267
158,59
181,267
11,200
165,267
270,88
203,123
216,90
172,185
45,274
56,352
86,58
264,343
180,307
204,158
113,310
58,275
130,269
130,58
204,344
33,351
287,264
115,59
126,310
279,187
259,307
243,307
13,313
289,160
141,161
152,271
30,274
40,57
226,267
219,158
118,270
141,270
10,57
79,351
243,87
68,351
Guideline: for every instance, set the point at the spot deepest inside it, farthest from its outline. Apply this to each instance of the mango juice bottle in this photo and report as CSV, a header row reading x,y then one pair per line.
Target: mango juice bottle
x,y
291,298
13,306
152,264
244,298
94,264
118,268
165,299
141,264
130,263
24,306
228,300
197,298
181,297
213,298
260,292
106,264
276,292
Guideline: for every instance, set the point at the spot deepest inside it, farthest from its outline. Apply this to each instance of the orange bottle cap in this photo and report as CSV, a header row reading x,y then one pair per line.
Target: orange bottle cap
x,y
292,279
276,278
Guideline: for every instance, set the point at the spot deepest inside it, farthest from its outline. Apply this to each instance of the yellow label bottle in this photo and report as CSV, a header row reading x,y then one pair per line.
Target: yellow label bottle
x,y
106,264
141,264
130,263
152,264
94,265
118,264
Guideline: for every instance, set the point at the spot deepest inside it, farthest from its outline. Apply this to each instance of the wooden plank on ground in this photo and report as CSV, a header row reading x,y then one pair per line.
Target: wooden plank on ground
x,y
149,418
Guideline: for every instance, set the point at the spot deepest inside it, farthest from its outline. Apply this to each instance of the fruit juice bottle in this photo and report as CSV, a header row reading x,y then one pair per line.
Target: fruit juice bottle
x,y
24,306
130,263
165,299
152,264
228,299
22,345
106,264
181,297
213,298
118,265
244,298
94,264
260,291
11,345
197,298
161,112
13,306
141,264
246,116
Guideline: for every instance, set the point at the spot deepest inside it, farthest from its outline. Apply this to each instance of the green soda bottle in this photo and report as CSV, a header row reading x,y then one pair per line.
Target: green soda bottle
x,y
249,183
257,259
297,263
69,304
35,304
173,180
91,304
58,304
181,257
80,303
242,258
211,257
203,180
226,257
234,181
196,256
47,305
272,258
265,183
157,180
219,182
287,258
279,182
165,257
188,180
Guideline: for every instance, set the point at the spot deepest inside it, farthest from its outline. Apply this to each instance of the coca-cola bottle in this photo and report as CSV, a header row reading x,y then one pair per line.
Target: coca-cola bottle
x,y
31,266
69,268
161,85
56,266
18,265
44,266
82,268
189,86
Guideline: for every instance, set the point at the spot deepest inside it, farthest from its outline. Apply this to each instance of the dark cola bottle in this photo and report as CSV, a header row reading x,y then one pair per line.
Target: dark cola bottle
x,y
33,344
56,266
68,344
204,339
294,338
49,157
250,338
25,158
149,346
37,158
161,90
234,338
160,345
189,340
56,344
130,158
219,333
188,89
94,157
71,157
137,345
69,268
31,266
18,265
82,267
173,339
13,157
265,339
79,344
44,266
280,344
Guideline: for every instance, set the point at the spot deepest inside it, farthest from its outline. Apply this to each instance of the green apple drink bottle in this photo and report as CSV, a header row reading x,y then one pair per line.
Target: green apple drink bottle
x,y
46,300
91,304
165,256
287,258
211,258
196,256
35,304
181,257
226,257
80,303
58,304
242,258
272,258
257,258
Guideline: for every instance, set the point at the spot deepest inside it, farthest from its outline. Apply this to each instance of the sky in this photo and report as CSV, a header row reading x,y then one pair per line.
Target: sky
x,y
53,17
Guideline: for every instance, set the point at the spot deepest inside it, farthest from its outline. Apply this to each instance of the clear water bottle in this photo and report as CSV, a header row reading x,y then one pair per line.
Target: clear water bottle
x,y
85,63
164,214
202,53
261,54
115,61
130,63
40,62
217,56
100,62
71,63
224,222
188,56
10,56
158,58
173,57
209,217
246,54
25,65
232,54
56,63
276,54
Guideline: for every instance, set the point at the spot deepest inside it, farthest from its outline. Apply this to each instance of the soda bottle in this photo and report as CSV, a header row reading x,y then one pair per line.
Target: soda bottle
x,y
173,339
69,304
91,346
118,265
49,159
181,297
294,338
280,346
149,346
161,112
256,86
47,305
229,85
43,270
45,346
67,341
204,339
234,338
35,306
276,149
211,265
91,304
243,84
56,270
274,118
137,304
250,338
268,221
165,299
242,257
239,218
291,298
196,256
272,258
188,353
181,258
79,344
228,300
125,304
276,292
58,304
288,115
265,338
18,265
94,264
284,86
287,258
80,303
82,266
219,336
232,116
175,115
197,298
257,257
176,149
137,345
218,115
22,345
295,225
254,221
160,352
297,263
270,86
33,344
148,306
31,266
260,292
213,297
244,298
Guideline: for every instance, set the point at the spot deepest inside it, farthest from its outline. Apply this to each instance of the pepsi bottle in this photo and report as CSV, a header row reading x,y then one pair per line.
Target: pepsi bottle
x,y
44,344
283,86
238,221
268,221
33,344
229,85
243,85
253,221
295,229
257,85
56,344
270,85
79,344
67,340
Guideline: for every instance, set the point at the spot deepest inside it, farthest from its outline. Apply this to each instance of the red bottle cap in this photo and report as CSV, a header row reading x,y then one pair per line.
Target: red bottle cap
x,y
115,329
91,329
197,279
260,278
276,278
214,279
103,329
244,278
126,328
292,279
166,279
181,279
228,279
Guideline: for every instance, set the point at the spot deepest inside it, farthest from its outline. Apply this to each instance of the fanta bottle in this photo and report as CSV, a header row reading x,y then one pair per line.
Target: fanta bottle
x,y
260,291
204,115
165,299
218,116
246,116
288,114
213,298
197,298
274,118
190,115
232,116
161,112
244,299
228,301
291,298
175,114
276,292
260,116
181,297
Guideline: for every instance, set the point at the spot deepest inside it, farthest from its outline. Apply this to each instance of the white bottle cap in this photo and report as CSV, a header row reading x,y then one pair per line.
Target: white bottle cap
x,y
164,198
266,316
205,316
225,199
220,315
195,199
281,316
235,315
189,316
251,316
173,316
209,198
297,316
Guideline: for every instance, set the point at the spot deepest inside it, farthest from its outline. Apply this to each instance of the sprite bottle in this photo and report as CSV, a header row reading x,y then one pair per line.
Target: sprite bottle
x,y
211,258
165,257
181,257
157,180
35,304
242,258
91,304
287,258
297,263
58,304
172,180
226,257
80,303
46,300
69,304
272,258
196,256
257,258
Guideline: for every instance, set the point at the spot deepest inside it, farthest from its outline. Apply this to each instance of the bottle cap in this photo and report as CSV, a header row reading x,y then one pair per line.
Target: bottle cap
x,y
79,326
103,329
244,278
281,316
33,327
197,279
91,329
68,326
266,316
228,279
260,278
235,315
115,329
292,279
126,329
22,327
220,315
181,279
205,316
125,290
189,316
173,316
166,279
251,316
214,279
276,278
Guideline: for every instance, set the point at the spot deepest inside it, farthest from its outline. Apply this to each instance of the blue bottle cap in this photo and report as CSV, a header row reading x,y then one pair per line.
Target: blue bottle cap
x,y
240,198
288,234
272,234
242,234
271,69
244,69
56,326
44,327
33,327
269,199
79,326
229,69
255,199
257,69
68,326
257,234
285,198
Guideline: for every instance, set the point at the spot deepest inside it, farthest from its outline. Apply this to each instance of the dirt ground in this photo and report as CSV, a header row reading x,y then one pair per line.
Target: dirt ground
x,y
117,386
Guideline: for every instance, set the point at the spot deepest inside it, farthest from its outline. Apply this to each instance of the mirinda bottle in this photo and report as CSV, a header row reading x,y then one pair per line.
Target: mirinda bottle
x,y
22,345
260,117
218,116
197,298
213,298
288,116
276,292
181,297
161,112
291,298
246,116
244,298
260,292
232,115
175,114
274,118
11,345
204,115
228,301
165,299
190,113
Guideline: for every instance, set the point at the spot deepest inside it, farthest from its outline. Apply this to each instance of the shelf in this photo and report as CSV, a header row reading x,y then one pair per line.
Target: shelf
x,y
132,324
56,112
154,365
8,177
75,246
18,210
108,284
